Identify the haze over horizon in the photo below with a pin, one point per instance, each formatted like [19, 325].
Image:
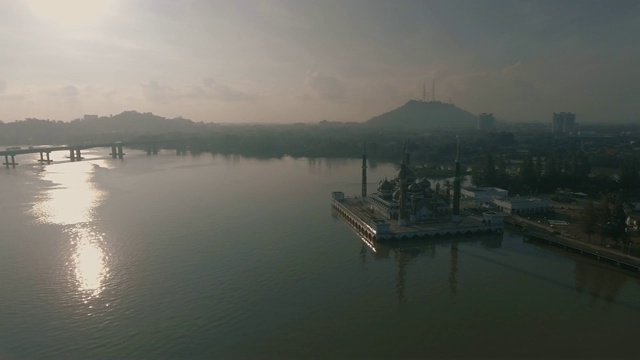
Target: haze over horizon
[304, 61]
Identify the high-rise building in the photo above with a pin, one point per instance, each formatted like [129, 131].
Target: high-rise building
[486, 121]
[569, 123]
[563, 123]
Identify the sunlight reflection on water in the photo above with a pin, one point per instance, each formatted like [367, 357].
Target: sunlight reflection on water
[89, 261]
[71, 201]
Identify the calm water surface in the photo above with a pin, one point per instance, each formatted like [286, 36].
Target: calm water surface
[212, 256]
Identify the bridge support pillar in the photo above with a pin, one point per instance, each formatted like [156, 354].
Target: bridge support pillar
[120, 152]
[152, 149]
[78, 155]
[42, 160]
[72, 155]
[6, 161]
[113, 154]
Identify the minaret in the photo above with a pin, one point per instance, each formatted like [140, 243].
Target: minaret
[402, 217]
[364, 171]
[406, 159]
[433, 90]
[456, 189]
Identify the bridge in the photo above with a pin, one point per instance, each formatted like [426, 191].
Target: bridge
[75, 151]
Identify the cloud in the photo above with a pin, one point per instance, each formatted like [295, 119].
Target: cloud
[510, 90]
[158, 93]
[326, 87]
[91, 91]
[69, 91]
[209, 90]
[224, 92]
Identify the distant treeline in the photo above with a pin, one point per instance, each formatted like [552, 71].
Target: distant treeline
[324, 139]
[123, 126]
[523, 162]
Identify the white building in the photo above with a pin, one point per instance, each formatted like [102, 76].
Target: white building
[521, 205]
[337, 195]
[484, 194]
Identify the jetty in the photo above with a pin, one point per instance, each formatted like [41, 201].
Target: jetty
[359, 215]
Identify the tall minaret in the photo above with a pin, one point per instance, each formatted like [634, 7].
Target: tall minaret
[433, 90]
[364, 171]
[402, 216]
[456, 189]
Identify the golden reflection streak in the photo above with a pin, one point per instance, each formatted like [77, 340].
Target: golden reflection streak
[89, 262]
[71, 202]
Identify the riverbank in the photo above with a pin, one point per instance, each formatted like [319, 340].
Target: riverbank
[537, 229]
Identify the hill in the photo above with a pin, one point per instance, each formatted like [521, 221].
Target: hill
[419, 114]
[124, 126]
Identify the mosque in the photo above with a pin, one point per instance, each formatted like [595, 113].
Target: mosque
[409, 199]
[407, 207]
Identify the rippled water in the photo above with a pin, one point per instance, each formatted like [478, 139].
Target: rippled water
[211, 256]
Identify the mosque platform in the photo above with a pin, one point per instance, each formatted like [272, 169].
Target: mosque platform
[368, 224]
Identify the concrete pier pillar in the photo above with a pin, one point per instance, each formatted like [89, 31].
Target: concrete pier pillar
[72, 155]
[120, 152]
[152, 150]
[48, 159]
[6, 160]
[13, 161]
[78, 155]
[41, 156]
[114, 154]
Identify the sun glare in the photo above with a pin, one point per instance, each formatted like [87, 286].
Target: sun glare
[89, 261]
[70, 12]
[70, 201]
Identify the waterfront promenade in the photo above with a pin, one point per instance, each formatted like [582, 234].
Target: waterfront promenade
[534, 231]
[357, 214]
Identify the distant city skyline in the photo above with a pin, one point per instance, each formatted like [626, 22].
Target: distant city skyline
[305, 61]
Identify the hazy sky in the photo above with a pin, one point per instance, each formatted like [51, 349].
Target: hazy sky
[343, 60]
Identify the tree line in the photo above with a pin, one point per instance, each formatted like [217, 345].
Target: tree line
[545, 173]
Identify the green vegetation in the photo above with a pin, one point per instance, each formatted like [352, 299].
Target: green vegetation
[554, 170]
[523, 163]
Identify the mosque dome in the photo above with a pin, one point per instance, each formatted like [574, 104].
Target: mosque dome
[426, 184]
[415, 188]
[406, 172]
[385, 185]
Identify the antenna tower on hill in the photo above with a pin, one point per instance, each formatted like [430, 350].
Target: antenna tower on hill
[433, 90]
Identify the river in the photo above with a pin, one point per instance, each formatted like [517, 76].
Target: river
[214, 256]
